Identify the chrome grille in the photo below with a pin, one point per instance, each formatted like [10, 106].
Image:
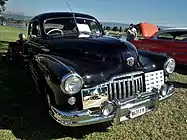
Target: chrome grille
[125, 86]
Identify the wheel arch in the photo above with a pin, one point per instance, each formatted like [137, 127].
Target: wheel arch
[52, 70]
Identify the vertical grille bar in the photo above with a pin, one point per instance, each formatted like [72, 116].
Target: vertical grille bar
[141, 84]
[128, 88]
[115, 90]
[133, 85]
[119, 86]
[136, 85]
[110, 91]
[124, 90]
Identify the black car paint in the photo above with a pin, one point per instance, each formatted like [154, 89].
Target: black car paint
[95, 58]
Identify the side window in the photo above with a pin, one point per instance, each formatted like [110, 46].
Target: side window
[38, 30]
[30, 28]
[165, 36]
[182, 37]
[34, 29]
[94, 27]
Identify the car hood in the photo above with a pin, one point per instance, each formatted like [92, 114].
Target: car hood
[96, 58]
[92, 43]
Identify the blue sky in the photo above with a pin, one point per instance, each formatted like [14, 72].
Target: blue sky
[163, 12]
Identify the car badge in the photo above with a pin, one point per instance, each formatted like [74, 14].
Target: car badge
[130, 61]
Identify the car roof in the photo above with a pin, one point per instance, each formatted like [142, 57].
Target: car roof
[48, 15]
[171, 30]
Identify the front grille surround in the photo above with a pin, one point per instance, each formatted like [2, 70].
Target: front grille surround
[124, 86]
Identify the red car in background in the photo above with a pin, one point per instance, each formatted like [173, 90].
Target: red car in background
[146, 29]
[170, 41]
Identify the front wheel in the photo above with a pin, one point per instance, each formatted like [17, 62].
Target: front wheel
[49, 98]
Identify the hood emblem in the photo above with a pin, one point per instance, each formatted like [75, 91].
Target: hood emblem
[130, 61]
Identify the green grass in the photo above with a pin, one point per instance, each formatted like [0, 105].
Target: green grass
[8, 34]
[22, 115]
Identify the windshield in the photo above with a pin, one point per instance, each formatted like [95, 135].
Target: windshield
[63, 26]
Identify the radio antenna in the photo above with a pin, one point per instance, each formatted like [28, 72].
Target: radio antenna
[74, 18]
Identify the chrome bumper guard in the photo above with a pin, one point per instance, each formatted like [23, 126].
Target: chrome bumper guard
[121, 112]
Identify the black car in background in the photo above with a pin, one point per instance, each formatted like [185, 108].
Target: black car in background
[88, 77]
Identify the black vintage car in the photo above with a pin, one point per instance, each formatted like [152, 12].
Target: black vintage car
[71, 60]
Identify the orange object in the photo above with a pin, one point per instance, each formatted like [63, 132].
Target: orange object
[147, 29]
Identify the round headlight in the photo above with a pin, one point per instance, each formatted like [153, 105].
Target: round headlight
[169, 65]
[71, 84]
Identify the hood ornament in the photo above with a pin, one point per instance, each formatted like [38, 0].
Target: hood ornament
[130, 61]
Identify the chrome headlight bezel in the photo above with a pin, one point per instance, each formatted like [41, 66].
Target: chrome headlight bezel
[67, 78]
[169, 65]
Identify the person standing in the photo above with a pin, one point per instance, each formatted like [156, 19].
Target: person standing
[131, 33]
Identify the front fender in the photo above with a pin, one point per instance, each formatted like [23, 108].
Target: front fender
[151, 60]
[53, 70]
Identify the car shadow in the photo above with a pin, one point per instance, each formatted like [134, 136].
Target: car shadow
[181, 69]
[22, 109]
[179, 85]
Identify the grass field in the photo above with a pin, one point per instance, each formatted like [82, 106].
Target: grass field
[8, 34]
[22, 115]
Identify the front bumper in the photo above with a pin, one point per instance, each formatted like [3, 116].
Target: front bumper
[149, 100]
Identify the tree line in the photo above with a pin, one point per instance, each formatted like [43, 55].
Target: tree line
[115, 28]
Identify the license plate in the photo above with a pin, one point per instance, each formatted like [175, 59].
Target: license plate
[137, 111]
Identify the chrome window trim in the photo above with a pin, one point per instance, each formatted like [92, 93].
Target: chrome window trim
[91, 19]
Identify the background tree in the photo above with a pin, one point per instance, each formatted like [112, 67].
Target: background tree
[115, 28]
[108, 28]
[2, 5]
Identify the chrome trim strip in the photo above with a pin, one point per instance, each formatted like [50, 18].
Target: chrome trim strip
[126, 75]
[124, 95]
[141, 83]
[133, 85]
[115, 92]
[119, 86]
[110, 90]
[128, 88]
[77, 17]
